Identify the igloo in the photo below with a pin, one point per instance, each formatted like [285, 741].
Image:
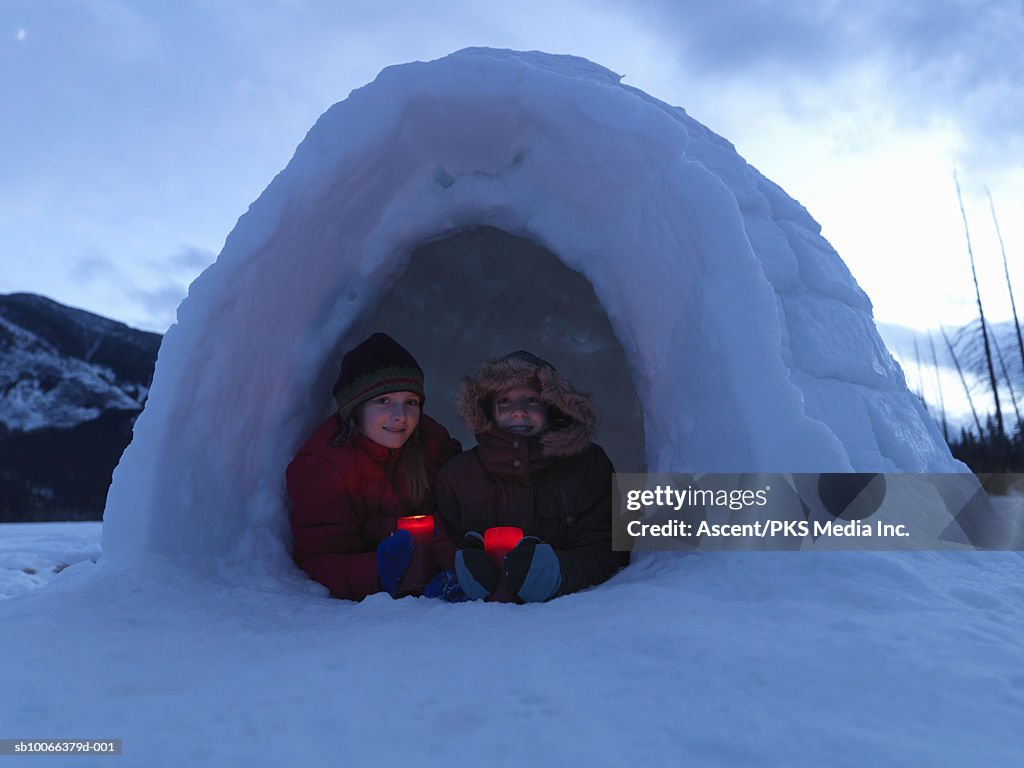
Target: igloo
[719, 330]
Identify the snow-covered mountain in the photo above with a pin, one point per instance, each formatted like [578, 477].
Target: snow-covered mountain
[71, 385]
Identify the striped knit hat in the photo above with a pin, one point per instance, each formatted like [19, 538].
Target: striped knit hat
[377, 366]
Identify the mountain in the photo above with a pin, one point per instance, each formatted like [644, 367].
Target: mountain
[71, 385]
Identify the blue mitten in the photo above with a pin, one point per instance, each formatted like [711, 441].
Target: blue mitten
[393, 557]
[475, 569]
[533, 571]
[445, 585]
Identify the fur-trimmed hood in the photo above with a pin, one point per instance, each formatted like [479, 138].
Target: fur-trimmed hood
[566, 436]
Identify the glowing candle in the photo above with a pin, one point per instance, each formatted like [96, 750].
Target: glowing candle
[498, 541]
[421, 567]
[418, 525]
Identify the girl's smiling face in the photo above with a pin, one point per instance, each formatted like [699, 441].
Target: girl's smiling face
[389, 419]
[520, 411]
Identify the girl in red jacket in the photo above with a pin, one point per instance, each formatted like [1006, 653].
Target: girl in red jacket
[362, 469]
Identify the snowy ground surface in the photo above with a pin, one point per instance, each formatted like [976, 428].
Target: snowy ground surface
[796, 659]
[31, 554]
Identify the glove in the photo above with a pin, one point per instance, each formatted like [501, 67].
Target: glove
[475, 569]
[532, 570]
[393, 557]
[445, 585]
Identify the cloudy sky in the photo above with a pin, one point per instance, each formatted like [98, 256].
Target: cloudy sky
[136, 133]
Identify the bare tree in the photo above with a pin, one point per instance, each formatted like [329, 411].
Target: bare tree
[1006, 375]
[938, 384]
[981, 314]
[1009, 287]
[967, 389]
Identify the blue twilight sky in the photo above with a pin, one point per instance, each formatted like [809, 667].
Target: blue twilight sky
[136, 133]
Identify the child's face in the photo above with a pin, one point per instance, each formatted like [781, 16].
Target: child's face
[390, 419]
[521, 411]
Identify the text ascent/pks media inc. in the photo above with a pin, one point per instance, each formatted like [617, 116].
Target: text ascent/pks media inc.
[764, 529]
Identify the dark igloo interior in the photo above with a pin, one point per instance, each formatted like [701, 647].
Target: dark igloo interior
[479, 293]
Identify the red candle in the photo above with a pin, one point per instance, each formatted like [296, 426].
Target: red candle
[421, 567]
[417, 525]
[497, 543]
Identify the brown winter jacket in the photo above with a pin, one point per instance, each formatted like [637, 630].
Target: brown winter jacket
[345, 502]
[557, 486]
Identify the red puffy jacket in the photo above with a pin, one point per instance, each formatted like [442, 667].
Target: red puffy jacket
[346, 500]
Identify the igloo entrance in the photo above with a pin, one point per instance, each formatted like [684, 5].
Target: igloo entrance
[480, 293]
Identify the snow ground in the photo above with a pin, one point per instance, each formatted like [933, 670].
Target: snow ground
[733, 659]
[31, 554]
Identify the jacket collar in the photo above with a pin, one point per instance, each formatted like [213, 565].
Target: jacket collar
[379, 453]
[510, 455]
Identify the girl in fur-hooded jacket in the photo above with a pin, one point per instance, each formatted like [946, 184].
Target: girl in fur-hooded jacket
[534, 467]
